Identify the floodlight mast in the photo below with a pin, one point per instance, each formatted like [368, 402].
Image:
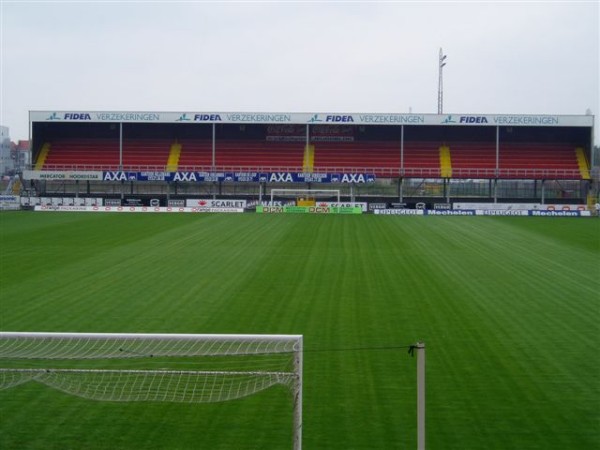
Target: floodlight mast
[441, 63]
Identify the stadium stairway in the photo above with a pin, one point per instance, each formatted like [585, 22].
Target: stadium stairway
[17, 186]
[445, 162]
[42, 157]
[309, 158]
[174, 154]
[584, 167]
[14, 186]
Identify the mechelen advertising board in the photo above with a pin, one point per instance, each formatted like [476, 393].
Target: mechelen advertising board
[481, 212]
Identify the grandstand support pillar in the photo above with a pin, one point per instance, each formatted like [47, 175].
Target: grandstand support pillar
[352, 192]
[401, 149]
[400, 189]
[88, 188]
[495, 190]
[543, 200]
[260, 193]
[307, 135]
[120, 145]
[447, 189]
[497, 150]
[214, 145]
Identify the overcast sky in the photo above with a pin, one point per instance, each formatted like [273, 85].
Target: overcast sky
[503, 57]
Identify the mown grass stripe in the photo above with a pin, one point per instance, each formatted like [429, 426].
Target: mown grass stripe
[508, 308]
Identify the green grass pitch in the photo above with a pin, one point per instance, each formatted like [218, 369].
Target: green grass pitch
[507, 306]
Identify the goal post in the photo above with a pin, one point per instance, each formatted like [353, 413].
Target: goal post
[129, 367]
[306, 193]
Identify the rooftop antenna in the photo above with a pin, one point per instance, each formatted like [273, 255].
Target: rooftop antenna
[442, 63]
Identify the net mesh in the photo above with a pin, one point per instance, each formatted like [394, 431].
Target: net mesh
[157, 368]
[333, 194]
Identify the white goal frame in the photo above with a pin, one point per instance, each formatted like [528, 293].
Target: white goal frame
[18, 346]
[313, 193]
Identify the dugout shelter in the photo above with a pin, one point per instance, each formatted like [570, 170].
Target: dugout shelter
[408, 157]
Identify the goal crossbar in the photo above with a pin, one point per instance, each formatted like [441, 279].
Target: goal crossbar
[313, 193]
[30, 345]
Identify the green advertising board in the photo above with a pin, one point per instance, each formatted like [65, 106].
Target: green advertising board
[309, 209]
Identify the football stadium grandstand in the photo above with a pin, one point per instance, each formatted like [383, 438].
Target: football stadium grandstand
[402, 158]
[499, 299]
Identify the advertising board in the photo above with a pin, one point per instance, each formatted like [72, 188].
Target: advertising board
[308, 210]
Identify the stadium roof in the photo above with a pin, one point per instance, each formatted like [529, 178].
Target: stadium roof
[313, 118]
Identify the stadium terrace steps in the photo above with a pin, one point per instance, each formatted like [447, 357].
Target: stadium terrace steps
[104, 154]
[174, 154]
[309, 158]
[195, 153]
[39, 165]
[584, 167]
[445, 161]
[538, 161]
[421, 159]
[515, 160]
[378, 157]
[152, 153]
[249, 155]
[260, 154]
[68, 154]
[473, 159]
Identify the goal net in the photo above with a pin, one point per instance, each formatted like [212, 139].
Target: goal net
[188, 368]
[301, 195]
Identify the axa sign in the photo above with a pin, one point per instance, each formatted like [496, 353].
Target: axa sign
[185, 176]
[281, 177]
[473, 119]
[115, 176]
[353, 178]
